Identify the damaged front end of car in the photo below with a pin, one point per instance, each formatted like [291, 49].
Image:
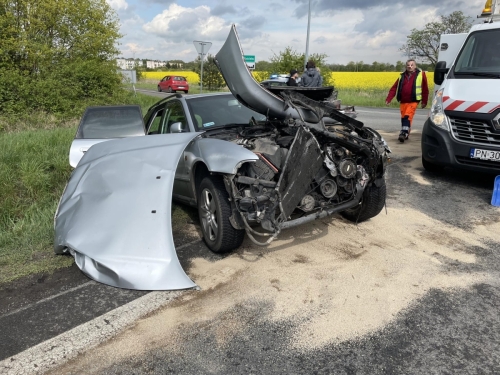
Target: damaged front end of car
[306, 168]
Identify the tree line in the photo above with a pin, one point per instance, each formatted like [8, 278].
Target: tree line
[59, 56]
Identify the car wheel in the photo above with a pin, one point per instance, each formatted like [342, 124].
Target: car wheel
[371, 204]
[159, 88]
[214, 211]
[431, 167]
[169, 89]
[186, 91]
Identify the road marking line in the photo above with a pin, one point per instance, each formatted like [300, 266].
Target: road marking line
[60, 349]
[48, 298]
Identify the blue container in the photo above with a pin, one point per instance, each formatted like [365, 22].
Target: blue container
[495, 199]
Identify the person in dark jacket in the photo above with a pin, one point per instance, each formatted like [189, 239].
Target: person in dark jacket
[311, 77]
[292, 81]
[409, 89]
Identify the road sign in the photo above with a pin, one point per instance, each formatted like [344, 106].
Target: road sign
[249, 58]
[250, 61]
[202, 47]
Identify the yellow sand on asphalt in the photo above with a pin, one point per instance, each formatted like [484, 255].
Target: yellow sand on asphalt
[334, 280]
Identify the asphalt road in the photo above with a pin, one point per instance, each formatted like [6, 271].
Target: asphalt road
[451, 325]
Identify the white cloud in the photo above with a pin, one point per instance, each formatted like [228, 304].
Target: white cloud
[118, 4]
[188, 24]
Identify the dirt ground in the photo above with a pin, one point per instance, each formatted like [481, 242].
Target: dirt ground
[331, 281]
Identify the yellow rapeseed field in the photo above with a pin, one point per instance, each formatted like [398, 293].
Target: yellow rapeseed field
[362, 81]
[191, 77]
[368, 81]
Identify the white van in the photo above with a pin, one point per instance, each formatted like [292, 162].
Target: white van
[463, 128]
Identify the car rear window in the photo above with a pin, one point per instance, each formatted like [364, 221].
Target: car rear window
[111, 122]
[179, 78]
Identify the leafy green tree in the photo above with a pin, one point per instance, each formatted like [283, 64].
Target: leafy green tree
[424, 43]
[212, 79]
[63, 48]
[289, 59]
[263, 66]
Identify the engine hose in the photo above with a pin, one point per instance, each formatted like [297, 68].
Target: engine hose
[252, 238]
[248, 228]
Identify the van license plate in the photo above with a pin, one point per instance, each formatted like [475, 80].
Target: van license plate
[477, 153]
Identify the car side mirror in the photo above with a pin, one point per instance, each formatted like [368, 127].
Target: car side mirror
[439, 72]
[176, 127]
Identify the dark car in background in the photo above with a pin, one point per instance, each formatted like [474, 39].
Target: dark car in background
[173, 84]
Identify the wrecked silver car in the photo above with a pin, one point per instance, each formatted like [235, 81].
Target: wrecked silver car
[251, 161]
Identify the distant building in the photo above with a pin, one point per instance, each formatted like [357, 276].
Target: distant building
[154, 64]
[127, 64]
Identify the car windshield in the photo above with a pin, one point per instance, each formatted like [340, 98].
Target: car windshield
[179, 79]
[220, 110]
[480, 54]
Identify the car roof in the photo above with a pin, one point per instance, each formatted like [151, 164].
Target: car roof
[195, 96]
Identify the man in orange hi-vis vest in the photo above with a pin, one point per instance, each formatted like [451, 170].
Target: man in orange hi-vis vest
[409, 89]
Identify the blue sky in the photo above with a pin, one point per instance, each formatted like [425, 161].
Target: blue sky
[345, 30]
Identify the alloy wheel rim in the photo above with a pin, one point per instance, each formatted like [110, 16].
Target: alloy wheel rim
[209, 214]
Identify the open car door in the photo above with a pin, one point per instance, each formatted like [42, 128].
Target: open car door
[103, 123]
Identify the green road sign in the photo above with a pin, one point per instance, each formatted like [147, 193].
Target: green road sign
[249, 58]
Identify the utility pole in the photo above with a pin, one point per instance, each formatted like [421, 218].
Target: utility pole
[308, 30]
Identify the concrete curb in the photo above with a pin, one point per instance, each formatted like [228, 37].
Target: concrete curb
[60, 349]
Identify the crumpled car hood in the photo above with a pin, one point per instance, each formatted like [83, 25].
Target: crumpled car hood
[244, 87]
[115, 214]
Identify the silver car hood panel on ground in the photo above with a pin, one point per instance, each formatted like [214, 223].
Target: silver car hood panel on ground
[250, 93]
[115, 214]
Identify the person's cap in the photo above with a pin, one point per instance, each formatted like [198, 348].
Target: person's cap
[292, 72]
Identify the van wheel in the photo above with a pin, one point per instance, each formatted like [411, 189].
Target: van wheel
[372, 202]
[431, 167]
[214, 211]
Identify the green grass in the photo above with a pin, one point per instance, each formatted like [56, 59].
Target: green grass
[371, 98]
[34, 169]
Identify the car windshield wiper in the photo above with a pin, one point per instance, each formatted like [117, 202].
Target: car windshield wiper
[478, 74]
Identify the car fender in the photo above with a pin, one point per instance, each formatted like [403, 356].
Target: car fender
[218, 155]
[115, 214]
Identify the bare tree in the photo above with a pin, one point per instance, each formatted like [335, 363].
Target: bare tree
[424, 44]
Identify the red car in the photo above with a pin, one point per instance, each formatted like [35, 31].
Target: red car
[173, 84]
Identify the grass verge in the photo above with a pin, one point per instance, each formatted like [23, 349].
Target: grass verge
[34, 169]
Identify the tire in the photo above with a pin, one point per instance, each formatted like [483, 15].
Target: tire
[186, 91]
[214, 211]
[431, 167]
[159, 88]
[371, 204]
[169, 89]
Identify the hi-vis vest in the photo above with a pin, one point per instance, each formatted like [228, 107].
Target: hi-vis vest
[416, 90]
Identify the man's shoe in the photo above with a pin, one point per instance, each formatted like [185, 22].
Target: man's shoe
[401, 137]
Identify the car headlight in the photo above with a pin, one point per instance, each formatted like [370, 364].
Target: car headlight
[437, 115]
